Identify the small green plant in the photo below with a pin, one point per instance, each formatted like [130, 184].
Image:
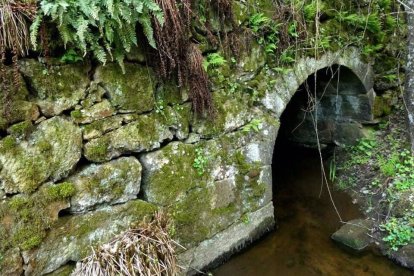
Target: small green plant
[370, 22]
[252, 125]
[309, 11]
[213, 60]
[287, 57]
[200, 162]
[266, 31]
[71, 56]
[389, 167]
[292, 30]
[332, 170]
[245, 219]
[160, 106]
[258, 22]
[400, 232]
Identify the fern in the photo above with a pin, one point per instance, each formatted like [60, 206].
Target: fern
[104, 28]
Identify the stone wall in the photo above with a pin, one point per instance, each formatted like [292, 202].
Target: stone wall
[87, 151]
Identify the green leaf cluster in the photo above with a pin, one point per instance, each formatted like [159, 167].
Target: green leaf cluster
[400, 232]
[267, 31]
[105, 28]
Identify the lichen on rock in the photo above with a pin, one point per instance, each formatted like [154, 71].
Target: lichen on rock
[18, 107]
[25, 219]
[145, 133]
[110, 183]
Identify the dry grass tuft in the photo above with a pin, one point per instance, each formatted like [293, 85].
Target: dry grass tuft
[15, 17]
[147, 250]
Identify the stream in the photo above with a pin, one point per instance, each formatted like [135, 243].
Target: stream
[301, 243]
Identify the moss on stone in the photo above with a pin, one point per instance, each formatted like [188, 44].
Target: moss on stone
[49, 152]
[97, 150]
[8, 144]
[174, 177]
[232, 112]
[77, 234]
[132, 91]
[57, 88]
[20, 130]
[60, 191]
[76, 114]
[30, 216]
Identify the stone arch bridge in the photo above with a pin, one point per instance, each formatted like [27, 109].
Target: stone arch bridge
[95, 151]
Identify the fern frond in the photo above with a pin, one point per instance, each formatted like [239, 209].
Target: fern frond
[114, 20]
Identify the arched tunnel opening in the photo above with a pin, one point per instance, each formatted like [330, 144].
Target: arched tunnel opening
[305, 216]
[301, 244]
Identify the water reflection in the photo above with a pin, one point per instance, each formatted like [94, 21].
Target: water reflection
[301, 245]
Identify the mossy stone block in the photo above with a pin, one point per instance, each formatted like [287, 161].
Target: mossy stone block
[132, 91]
[56, 88]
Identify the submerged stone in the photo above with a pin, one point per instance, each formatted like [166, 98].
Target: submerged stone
[49, 153]
[57, 88]
[354, 234]
[110, 183]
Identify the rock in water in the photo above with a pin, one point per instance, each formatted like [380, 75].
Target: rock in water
[354, 234]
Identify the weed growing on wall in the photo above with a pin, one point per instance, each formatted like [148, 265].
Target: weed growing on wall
[200, 162]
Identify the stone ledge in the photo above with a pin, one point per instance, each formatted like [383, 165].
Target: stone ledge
[214, 251]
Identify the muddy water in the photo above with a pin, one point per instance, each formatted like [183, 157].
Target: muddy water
[301, 244]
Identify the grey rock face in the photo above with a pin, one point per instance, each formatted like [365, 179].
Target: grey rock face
[111, 183]
[12, 264]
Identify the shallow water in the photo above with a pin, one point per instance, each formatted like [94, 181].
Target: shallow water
[301, 244]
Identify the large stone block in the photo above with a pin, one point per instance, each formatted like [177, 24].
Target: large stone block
[16, 106]
[110, 183]
[146, 133]
[49, 153]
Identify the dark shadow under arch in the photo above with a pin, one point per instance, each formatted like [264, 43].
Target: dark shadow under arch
[334, 97]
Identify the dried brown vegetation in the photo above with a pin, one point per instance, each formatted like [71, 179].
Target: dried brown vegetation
[177, 57]
[15, 17]
[147, 251]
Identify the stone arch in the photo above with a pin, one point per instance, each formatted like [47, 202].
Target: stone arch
[341, 107]
[260, 150]
[286, 85]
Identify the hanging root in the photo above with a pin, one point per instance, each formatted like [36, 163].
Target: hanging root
[147, 251]
[198, 82]
[177, 58]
